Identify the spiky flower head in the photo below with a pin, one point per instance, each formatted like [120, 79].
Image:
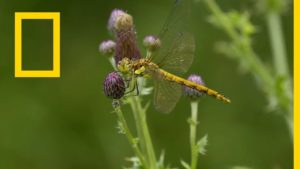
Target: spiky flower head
[114, 85]
[113, 17]
[120, 20]
[121, 24]
[107, 47]
[192, 93]
[152, 43]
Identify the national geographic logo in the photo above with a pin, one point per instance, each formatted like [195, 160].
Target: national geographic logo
[55, 17]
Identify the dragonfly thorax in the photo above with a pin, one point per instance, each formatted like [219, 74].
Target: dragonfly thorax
[144, 67]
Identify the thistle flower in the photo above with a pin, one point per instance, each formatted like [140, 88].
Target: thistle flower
[114, 85]
[152, 43]
[107, 47]
[192, 93]
[121, 24]
[112, 19]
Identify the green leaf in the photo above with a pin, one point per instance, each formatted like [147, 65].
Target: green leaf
[214, 21]
[136, 164]
[192, 122]
[121, 128]
[240, 167]
[161, 160]
[201, 145]
[136, 141]
[185, 165]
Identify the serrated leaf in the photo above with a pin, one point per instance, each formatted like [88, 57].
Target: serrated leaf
[135, 141]
[120, 127]
[136, 164]
[142, 85]
[241, 167]
[214, 21]
[161, 160]
[133, 159]
[146, 91]
[185, 165]
[162, 157]
[272, 103]
[201, 144]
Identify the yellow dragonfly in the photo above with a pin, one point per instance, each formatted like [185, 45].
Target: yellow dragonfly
[175, 55]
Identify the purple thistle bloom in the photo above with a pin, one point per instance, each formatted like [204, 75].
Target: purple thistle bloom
[107, 47]
[192, 93]
[114, 86]
[121, 24]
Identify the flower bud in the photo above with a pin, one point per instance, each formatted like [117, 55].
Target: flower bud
[193, 94]
[107, 47]
[121, 24]
[119, 20]
[124, 22]
[112, 19]
[114, 86]
[152, 43]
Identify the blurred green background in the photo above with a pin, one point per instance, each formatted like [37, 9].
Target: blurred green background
[66, 123]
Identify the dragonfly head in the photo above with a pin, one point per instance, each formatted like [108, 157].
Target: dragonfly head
[143, 69]
[125, 66]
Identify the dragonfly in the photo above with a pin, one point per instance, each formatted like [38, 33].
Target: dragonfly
[174, 57]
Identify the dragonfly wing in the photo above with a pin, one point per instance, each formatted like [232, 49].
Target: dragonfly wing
[181, 54]
[166, 95]
[178, 47]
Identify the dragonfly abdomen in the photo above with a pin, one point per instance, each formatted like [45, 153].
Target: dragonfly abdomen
[171, 77]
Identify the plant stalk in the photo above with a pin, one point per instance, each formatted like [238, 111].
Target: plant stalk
[254, 62]
[280, 62]
[193, 134]
[277, 43]
[143, 131]
[131, 139]
[258, 69]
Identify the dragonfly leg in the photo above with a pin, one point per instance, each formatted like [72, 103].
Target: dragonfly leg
[131, 82]
[127, 81]
[137, 88]
[131, 90]
[134, 88]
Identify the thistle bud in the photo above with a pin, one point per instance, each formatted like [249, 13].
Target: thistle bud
[107, 47]
[193, 94]
[121, 24]
[152, 43]
[112, 19]
[120, 20]
[114, 86]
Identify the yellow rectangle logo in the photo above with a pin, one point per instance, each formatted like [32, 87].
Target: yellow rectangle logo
[55, 17]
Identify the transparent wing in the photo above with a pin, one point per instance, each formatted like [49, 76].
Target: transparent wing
[178, 47]
[180, 56]
[166, 95]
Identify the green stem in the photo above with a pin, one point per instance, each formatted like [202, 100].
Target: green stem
[258, 69]
[277, 43]
[131, 139]
[143, 131]
[112, 62]
[280, 62]
[249, 55]
[193, 134]
[290, 125]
